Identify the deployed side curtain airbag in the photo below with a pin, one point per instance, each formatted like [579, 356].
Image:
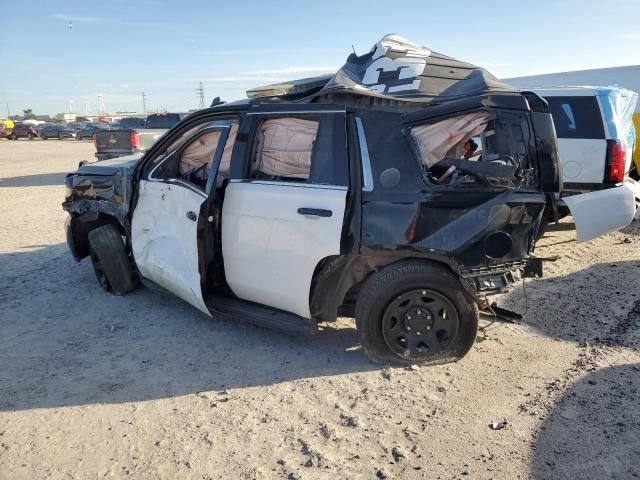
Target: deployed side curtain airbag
[288, 144]
[199, 153]
[447, 137]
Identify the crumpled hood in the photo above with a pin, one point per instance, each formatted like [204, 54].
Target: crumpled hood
[110, 167]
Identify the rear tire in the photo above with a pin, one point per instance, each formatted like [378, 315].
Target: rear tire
[60, 136]
[30, 136]
[110, 261]
[13, 137]
[418, 296]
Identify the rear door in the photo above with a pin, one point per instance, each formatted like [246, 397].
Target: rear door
[581, 140]
[285, 213]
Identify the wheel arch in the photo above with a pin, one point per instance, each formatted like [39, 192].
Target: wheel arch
[79, 227]
[337, 281]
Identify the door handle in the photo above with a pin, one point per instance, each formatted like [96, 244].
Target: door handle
[318, 212]
[192, 216]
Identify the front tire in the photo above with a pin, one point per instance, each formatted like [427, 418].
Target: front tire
[110, 261]
[13, 137]
[415, 313]
[60, 136]
[30, 136]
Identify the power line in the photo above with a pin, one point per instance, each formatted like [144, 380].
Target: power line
[200, 95]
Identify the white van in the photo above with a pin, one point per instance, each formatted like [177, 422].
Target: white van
[595, 133]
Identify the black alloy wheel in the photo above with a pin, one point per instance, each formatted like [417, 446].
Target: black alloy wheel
[419, 323]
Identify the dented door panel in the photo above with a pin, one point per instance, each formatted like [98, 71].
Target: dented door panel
[467, 233]
[164, 238]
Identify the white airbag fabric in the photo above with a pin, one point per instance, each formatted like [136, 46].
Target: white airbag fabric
[287, 147]
[200, 152]
[437, 139]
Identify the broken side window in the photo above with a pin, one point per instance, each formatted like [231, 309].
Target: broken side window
[479, 147]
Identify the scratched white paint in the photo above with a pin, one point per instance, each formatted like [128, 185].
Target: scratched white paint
[270, 251]
[164, 240]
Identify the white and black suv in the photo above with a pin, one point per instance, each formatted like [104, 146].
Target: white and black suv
[326, 200]
[595, 133]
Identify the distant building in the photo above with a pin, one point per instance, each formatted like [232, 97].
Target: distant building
[627, 77]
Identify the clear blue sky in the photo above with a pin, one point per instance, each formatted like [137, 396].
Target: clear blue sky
[119, 48]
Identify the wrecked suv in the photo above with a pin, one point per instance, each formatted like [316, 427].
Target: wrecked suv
[359, 195]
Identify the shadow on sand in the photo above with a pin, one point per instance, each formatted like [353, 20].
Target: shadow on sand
[64, 341]
[36, 180]
[594, 431]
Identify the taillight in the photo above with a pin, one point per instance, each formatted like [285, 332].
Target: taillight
[614, 172]
[95, 142]
[135, 139]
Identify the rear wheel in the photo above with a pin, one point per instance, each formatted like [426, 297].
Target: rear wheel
[13, 137]
[110, 261]
[60, 136]
[415, 313]
[30, 136]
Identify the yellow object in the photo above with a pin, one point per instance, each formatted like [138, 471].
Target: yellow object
[8, 124]
[636, 151]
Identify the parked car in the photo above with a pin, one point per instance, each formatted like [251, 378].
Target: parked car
[57, 131]
[118, 142]
[89, 129]
[356, 199]
[5, 132]
[22, 130]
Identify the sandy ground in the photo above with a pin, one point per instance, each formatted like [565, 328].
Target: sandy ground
[143, 386]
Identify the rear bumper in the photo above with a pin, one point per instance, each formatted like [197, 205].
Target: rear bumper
[604, 211]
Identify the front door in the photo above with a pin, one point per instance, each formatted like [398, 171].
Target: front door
[287, 214]
[167, 219]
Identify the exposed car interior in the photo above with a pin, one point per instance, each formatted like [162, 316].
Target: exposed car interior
[189, 157]
[478, 147]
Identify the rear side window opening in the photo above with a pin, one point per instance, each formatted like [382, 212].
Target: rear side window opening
[474, 148]
[576, 117]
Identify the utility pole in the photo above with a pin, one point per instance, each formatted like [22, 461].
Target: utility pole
[144, 103]
[100, 105]
[8, 112]
[200, 95]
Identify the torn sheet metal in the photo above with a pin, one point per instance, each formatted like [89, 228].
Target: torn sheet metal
[402, 70]
[395, 69]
